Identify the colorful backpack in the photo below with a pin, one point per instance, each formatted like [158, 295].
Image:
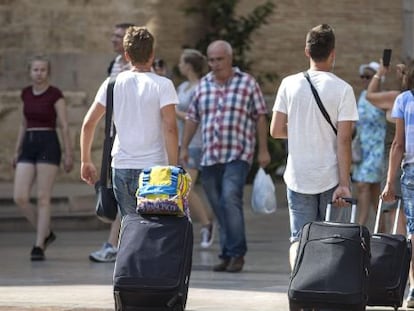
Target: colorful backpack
[163, 190]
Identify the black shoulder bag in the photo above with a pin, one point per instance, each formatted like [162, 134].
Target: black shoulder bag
[106, 204]
[319, 102]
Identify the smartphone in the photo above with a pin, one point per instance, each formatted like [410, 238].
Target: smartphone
[386, 57]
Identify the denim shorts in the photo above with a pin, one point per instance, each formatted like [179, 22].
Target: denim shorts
[40, 147]
[407, 191]
[125, 184]
[304, 208]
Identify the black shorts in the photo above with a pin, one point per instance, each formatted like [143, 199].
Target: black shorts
[40, 147]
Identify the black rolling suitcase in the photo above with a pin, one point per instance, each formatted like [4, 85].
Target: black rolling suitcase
[332, 266]
[153, 265]
[390, 264]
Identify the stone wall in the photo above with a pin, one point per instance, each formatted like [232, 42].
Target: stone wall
[363, 29]
[10, 119]
[76, 35]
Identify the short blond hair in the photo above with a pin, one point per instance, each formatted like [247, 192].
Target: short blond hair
[40, 58]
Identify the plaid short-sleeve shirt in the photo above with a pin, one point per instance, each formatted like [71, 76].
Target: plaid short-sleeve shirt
[227, 115]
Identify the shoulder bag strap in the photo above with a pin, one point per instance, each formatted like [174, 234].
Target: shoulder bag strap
[109, 134]
[319, 102]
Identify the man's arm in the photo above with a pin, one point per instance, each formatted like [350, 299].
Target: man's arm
[396, 156]
[263, 156]
[92, 117]
[343, 142]
[278, 125]
[169, 126]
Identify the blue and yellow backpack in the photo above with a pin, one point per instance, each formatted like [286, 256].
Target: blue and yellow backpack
[163, 190]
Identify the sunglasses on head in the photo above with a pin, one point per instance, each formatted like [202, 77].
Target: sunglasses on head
[367, 77]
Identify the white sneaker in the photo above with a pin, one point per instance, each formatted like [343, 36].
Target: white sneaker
[410, 298]
[106, 254]
[207, 236]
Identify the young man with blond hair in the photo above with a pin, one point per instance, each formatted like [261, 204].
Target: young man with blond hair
[144, 117]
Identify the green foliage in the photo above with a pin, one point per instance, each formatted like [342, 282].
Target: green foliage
[221, 22]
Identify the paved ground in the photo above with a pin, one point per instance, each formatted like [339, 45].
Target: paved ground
[68, 281]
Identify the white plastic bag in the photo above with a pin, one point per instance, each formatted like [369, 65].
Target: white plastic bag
[263, 193]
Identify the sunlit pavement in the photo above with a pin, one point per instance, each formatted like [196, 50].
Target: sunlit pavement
[67, 280]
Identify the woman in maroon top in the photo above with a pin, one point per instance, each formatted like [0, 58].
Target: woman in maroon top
[38, 154]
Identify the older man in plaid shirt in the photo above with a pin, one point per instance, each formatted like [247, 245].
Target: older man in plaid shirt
[229, 106]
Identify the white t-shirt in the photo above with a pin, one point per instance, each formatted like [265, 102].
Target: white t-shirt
[312, 165]
[138, 99]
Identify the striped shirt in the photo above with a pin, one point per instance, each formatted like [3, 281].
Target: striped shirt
[119, 66]
[227, 114]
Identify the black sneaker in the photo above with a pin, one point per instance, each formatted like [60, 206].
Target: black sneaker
[37, 254]
[49, 239]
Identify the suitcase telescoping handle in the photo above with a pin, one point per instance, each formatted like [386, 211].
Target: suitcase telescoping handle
[379, 212]
[351, 201]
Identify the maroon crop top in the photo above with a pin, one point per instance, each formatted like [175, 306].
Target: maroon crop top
[39, 110]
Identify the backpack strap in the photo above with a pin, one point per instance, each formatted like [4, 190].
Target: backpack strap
[319, 102]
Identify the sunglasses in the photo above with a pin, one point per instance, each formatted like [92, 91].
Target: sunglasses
[367, 77]
[158, 63]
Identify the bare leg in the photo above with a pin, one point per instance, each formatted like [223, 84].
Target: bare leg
[411, 275]
[197, 206]
[46, 175]
[363, 202]
[402, 224]
[23, 183]
[293, 251]
[107, 253]
[114, 231]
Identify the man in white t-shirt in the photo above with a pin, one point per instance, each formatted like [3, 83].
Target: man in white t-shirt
[109, 250]
[319, 160]
[119, 63]
[144, 117]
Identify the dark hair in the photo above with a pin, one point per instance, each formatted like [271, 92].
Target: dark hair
[320, 41]
[124, 25]
[158, 62]
[408, 78]
[139, 44]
